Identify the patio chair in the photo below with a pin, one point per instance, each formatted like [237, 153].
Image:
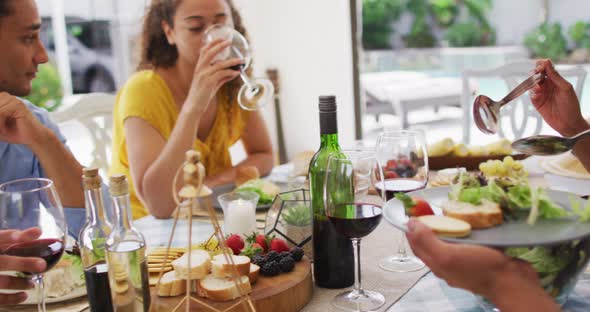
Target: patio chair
[399, 92]
[94, 112]
[519, 118]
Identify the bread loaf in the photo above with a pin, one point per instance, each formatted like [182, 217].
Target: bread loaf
[222, 289]
[485, 215]
[446, 226]
[197, 269]
[221, 268]
[171, 285]
[253, 274]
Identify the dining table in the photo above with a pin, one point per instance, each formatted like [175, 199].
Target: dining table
[412, 291]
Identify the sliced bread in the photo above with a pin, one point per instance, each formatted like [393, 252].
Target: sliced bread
[171, 285]
[222, 289]
[221, 268]
[485, 215]
[253, 274]
[198, 268]
[446, 226]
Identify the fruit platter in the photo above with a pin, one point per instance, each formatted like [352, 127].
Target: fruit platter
[277, 277]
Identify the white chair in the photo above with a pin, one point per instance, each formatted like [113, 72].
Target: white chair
[399, 92]
[518, 118]
[93, 111]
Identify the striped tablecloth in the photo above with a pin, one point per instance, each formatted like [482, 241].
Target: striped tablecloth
[433, 294]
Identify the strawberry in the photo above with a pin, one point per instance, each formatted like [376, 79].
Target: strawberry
[251, 250]
[278, 245]
[392, 163]
[390, 174]
[414, 206]
[261, 239]
[235, 242]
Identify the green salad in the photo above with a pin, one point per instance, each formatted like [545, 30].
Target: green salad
[517, 199]
[557, 266]
[265, 189]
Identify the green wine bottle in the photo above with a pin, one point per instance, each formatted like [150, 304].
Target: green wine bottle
[333, 255]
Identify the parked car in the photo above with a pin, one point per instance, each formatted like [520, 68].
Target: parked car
[90, 50]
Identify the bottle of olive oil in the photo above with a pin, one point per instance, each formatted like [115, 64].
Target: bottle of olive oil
[333, 264]
[128, 275]
[92, 240]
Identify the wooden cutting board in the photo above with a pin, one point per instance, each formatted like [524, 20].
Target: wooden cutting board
[286, 292]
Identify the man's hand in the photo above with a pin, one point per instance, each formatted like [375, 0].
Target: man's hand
[555, 99]
[20, 264]
[17, 124]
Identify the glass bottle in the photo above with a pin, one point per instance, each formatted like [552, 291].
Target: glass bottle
[333, 264]
[92, 239]
[128, 275]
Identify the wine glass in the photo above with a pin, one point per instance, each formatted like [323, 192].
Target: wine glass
[254, 93]
[404, 157]
[353, 205]
[34, 203]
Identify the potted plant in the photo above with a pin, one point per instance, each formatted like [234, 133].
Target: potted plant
[296, 217]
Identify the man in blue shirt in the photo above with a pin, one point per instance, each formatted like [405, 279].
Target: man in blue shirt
[30, 145]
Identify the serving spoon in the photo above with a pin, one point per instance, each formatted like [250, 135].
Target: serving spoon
[486, 112]
[544, 145]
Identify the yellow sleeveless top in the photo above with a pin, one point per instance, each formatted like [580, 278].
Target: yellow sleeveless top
[146, 95]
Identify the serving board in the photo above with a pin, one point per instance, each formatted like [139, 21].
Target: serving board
[287, 292]
[467, 162]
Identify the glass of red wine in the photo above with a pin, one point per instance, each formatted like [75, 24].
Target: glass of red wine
[255, 92]
[34, 203]
[404, 158]
[354, 207]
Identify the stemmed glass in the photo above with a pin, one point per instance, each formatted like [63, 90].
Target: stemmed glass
[34, 203]
[404, 157]
[353, 205]
[254, 93]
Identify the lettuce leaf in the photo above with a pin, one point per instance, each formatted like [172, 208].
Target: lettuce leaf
[519, 197]
[547, 208]
[543, 260]
[77, 268]
[265, 189]
[583, 214]
[264, 199]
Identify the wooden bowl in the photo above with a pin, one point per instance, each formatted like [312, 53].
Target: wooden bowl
[468, 162]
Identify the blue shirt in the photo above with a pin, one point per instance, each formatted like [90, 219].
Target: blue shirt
[17, 161]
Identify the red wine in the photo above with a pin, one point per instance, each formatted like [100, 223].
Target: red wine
[239, 67]
[356, 220]
[393, 186]
[97, 286]
[50, 249]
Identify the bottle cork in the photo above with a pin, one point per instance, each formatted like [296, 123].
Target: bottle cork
[118, 185]
[91, 179]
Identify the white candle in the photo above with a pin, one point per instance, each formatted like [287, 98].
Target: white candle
[240, 217]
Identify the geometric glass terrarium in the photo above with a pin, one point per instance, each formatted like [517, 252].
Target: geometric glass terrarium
[290, 218]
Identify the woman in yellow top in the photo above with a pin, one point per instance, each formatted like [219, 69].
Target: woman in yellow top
[182, 99]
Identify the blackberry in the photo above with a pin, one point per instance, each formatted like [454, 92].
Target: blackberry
[287, 264]
[270, 268]
[297, 254]
[272, 256]
[284, 254]
[259, 260]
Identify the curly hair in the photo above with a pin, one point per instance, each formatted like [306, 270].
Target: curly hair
[5, 8]
[155, 49]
